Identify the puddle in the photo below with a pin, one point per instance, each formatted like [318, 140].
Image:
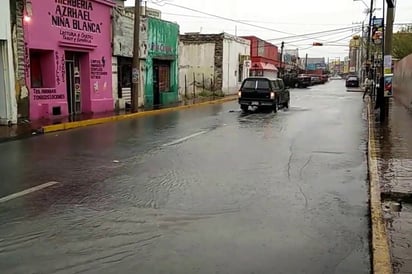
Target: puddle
[399, 225]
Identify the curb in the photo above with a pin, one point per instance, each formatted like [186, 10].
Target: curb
[381, 259]
[90, 122]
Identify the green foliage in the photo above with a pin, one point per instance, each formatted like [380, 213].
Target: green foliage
[402, 43]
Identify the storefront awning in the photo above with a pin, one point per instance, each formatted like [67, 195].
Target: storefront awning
[263, 66]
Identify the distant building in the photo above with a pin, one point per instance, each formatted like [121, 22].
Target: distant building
[291, 60]
[315, 65]
[212, 62]
[355, 55]
[264, 56]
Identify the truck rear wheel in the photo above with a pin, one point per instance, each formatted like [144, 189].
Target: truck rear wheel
[275, 107]
[244, 108]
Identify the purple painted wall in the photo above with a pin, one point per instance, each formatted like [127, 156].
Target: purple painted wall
[59, 26]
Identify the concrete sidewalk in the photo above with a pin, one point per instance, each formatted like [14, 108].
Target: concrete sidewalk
[394, 145]
[27, 129]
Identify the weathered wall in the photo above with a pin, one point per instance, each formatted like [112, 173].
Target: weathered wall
[402, 81]
[18, 58]
[122, 32]
[123, 26]
[8, 105]
[216, 56]
[115, 83]
[196, 61]
[196, 40]
[232, 48]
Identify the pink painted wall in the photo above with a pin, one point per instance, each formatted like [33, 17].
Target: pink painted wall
[82, 26]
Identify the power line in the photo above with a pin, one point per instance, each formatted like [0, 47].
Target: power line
[253, 25]
[291, 43]
[319, 36]
[253, 21]
[227, 19]
[312, 33]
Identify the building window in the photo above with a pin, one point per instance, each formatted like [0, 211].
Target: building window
[42, 69]
[124, 70]
[126, 76]
[35, 70]
[164, 78]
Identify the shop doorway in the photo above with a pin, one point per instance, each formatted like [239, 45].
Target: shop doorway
[73, 82]
[156, 87]
[161, 80]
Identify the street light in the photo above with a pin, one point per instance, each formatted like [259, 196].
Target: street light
[368, 9]
[28, 12]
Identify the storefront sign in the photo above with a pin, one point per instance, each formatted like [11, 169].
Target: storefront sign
[74, 16]
[46, 94]
[161, 48]
[387, 63]
[377, 30]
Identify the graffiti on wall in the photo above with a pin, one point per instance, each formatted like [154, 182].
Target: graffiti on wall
[46, 94]
[97, 68]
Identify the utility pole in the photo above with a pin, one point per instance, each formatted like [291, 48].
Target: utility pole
[387, 50]
[281, 58]
[136, 57]
[306, 63]
[368, 44]
[390, 14]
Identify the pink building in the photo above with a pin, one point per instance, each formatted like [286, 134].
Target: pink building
[68, 57]
[264, 56]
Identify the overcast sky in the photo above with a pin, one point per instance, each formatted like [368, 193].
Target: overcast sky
[279, 19]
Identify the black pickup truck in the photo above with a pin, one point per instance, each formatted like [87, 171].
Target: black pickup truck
[263, 92]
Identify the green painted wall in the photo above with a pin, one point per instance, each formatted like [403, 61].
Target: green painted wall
[163, 40]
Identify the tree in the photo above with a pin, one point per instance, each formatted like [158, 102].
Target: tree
[402, 43]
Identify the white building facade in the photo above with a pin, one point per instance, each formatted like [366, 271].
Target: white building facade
[8, 104]
[234, 70]
[212, 63]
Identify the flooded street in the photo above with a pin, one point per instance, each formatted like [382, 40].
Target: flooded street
[204, 190]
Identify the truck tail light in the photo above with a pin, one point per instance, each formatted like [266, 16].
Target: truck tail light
[272, 95]
[239, 93]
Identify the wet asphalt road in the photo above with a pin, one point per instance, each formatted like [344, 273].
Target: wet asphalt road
[205, 190]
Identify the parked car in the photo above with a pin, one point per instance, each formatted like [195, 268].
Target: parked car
[263, 92]
[303, 81]
[316, 80]
[324, 78]
[290, 80]
[352, 81]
